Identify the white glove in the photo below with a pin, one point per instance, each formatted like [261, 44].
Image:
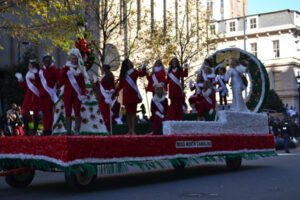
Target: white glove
[185, 65]
[19, 77]
[160, 115]
[191, 84]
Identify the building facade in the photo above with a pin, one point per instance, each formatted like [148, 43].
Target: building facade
[274, 38]
[225, 9]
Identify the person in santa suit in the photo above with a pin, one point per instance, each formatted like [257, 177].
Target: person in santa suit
[222, 81]
[49, 76]
[174, 74]
[159, 108]
[208, 102]
[31, 99]
[158, 75]
[106, 87]
[197, 87]
[208, 72]
[73, 76]
[131, 93]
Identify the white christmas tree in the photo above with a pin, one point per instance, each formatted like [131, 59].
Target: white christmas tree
[92, 122]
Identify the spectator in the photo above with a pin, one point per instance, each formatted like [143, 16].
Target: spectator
[2, 133]
[4, 125]
[12, 109]
[286, 133]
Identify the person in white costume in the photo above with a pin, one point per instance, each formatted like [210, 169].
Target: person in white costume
[235, 72]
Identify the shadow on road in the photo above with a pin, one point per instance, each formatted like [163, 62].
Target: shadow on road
[134, 180]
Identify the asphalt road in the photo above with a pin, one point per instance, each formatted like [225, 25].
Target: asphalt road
[263, 179]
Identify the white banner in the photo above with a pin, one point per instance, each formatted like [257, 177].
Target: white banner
[74, 84]
[50, 91]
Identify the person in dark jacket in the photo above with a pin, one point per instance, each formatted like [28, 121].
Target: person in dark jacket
[286, 133]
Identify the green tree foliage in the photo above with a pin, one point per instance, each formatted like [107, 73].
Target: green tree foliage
[274, 103]
[42, 22]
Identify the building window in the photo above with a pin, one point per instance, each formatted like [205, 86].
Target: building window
[277, 80]
[231, 26]
[238, 5]
[222, 3]
[276, 49]
[222, 16]
[212, 29]
[209, 5]
[254, 49]
[253, 23]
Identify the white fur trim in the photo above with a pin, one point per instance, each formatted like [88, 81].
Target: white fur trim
[126, 159]
[232, 122]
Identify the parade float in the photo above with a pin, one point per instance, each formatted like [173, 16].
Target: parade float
[233, 136]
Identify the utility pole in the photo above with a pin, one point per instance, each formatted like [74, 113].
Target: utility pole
[244, 25]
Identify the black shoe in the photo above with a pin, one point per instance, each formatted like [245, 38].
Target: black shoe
[287, 152]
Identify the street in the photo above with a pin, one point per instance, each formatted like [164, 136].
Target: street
[263, 179]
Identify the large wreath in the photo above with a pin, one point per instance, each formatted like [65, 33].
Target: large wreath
[257, 75]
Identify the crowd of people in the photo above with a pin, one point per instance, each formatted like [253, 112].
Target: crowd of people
[12, 122]
[286, 129]
[41, 85]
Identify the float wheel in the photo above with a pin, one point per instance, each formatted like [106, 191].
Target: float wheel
[21, 179]
[81, 178]
[233, 163]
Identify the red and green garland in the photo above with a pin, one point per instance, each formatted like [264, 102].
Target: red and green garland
[259, 80]
[87, 52]
[68, 152]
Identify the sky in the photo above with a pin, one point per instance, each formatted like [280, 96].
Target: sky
[262, 6]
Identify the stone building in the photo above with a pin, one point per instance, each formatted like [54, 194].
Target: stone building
[274, 37]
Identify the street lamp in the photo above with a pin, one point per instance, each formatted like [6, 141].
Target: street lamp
[298, 81]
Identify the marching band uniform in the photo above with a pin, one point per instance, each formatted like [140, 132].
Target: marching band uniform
[48, 77]
[106, 89]
[222, 81]
[131, 94]
[31, 99]
[176, 92]
[159, 110]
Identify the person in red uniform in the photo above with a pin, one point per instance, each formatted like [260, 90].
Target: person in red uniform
[208, 102]
[158, 75]
[208, 72]
[31, 99]
[159, 108]
[72, 76]
[48, 75]
[197, 87]
[131, 94]
[106, 87]
[175, 73]
[222, 81]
